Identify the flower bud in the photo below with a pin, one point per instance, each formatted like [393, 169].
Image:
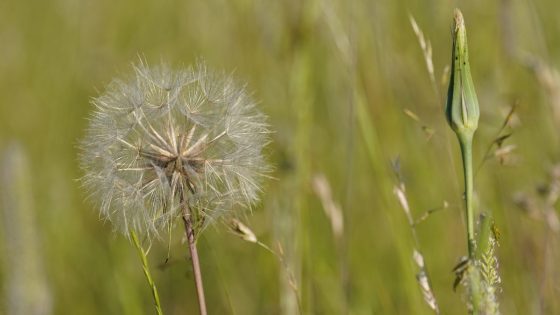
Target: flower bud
[461, 110]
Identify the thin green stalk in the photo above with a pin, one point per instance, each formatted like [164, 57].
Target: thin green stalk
[465, 142]
[145, 267]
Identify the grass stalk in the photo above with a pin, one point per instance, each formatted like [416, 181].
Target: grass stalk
[143, 257]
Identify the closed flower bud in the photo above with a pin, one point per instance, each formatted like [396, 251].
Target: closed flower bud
[462, 105]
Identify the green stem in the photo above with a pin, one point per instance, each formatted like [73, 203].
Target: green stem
[145, 267]
[465, 140]
[466, 152]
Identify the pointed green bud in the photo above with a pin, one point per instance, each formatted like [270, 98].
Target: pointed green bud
[462, 105]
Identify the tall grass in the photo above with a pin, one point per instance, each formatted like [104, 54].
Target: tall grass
[337, 113]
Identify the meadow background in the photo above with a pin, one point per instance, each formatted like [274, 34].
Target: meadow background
[349, 96]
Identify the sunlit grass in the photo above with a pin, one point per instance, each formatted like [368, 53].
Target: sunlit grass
[335, 77]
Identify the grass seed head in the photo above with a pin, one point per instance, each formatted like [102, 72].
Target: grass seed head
[243, 231]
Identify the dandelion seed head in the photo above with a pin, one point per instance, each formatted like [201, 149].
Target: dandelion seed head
[164, 139]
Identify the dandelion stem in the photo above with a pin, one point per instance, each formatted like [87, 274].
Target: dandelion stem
[466, 151]
[146, 268]
[194, 259]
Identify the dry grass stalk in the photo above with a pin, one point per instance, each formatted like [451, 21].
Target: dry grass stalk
[332, 210]
[424, 282]
[539, 205]
[542, 206]
[422, 273]
[549, 79]
[429, 132]
[426, 47]
[26, 288]
[245, 233]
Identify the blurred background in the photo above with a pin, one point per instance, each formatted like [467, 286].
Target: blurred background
[357, 112]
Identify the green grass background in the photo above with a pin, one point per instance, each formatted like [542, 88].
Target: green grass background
[335, 78]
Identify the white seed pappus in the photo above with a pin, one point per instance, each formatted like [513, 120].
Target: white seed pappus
[166, 139]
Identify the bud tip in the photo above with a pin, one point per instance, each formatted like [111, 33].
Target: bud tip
[459, 23]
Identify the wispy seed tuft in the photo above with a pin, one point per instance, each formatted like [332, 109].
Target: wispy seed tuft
[165, 139]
